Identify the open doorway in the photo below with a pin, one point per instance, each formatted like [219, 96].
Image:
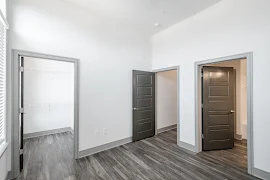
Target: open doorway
[156, 103]
[48, 103]
[167, 86]
[223, 103]
[240, 95]
[46, 95]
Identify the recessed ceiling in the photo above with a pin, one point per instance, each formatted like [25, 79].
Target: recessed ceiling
[151, 16]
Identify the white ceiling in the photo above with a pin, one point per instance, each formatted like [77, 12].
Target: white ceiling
[144, 14]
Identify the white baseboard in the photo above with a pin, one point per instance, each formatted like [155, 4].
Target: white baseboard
[187, 146]
[104, 147]
[44, 133]
[238, 137]
[167, 128]
[8, 175]
[261, 174]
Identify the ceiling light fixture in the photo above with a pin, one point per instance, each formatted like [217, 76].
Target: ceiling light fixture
[157, 25]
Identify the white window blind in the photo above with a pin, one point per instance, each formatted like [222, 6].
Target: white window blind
[3, 27]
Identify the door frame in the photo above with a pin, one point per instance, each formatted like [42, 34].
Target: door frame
[198, 112]
[15, 170]
[177, 68]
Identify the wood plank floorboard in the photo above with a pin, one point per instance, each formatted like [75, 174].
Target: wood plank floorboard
[156, 158]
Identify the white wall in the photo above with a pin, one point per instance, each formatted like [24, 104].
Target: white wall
[48, 95]
[107, 51]
[166, 98]
[227, 28]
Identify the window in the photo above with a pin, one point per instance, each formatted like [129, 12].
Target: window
[3, 27]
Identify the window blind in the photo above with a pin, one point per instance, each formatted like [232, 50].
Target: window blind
[2, 80]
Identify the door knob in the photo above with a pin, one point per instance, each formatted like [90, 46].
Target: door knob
[232, 111]
[135, 109]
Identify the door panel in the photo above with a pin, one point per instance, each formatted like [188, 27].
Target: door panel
[218, 120]
[143, 105]
[144, 115]
[218, 108]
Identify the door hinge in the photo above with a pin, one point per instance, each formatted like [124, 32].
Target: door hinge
[202, 105]
[21, 69]
[21, 110]
[21, 151]
[202, 136]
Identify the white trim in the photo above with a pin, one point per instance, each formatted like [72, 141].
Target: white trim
[197, 67]
[164, 129]
[238, 137]
[186, 146]
[261, 174]
[48, 132]
[3, 148]
[8, 175]
[4, 20]
[94, 150]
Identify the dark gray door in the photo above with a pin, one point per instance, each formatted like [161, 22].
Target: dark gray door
[21, 114]
[143, 105]
[218, 108]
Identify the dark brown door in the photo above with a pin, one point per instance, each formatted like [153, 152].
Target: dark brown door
[218, 108]
[143, 105]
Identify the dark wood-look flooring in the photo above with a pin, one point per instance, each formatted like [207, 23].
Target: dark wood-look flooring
[50, 158]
